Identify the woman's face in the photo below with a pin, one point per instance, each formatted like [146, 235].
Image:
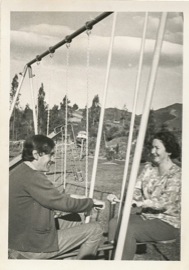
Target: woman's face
[158, 151]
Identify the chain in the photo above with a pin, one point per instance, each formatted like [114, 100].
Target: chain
[49, 94]
[88, 32]
[66, 110]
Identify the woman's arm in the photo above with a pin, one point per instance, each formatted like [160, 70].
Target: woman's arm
[138, 194]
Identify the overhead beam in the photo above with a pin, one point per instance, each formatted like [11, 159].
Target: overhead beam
[88, 25]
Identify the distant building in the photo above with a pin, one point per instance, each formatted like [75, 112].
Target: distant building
[76, 117]
[116, 122]
[82, 135]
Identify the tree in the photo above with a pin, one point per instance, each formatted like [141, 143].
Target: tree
[110, 134]
[15, 118]
[27, 122]
[83, 120]
[42, 111]
[14, 86]
[124, 114]
[75, 107]
[165, 126]
[63, 105]
[55, 120]
[116, 114]
[94, 111]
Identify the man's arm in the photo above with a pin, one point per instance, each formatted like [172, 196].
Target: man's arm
[44, 192]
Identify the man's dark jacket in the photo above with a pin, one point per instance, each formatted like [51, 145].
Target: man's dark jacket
[32, 199]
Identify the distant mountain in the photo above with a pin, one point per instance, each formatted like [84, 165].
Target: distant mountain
[117, 131]
[113, 114]
[171, 116]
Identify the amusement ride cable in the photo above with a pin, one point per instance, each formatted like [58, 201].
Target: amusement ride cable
[88, 32]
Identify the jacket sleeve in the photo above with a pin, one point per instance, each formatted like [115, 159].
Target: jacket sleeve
[44, 192]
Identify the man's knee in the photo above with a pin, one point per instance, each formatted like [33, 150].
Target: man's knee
[98, 228]
[95, 228]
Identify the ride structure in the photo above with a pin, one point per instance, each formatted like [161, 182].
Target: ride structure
[124, 208]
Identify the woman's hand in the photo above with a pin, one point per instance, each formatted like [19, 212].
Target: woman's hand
[137, 203]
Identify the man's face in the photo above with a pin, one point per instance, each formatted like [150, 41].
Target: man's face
[45, 161]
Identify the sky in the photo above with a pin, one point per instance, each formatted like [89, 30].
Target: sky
[83, 75]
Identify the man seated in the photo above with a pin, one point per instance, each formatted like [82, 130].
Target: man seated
[32, 202]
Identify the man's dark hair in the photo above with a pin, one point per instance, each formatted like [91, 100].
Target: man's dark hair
[170, 142]
[40, 143]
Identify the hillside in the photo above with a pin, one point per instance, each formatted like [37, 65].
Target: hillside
[117, 122]
[117, 131]
[171, 116]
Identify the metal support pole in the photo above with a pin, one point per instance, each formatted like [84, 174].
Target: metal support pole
[66, 114]
[81, 151]
[65, 144]
[18, 90]
[140, 140]
[87, 117]
[97, 149]
[48, 119]
[133, 113]
[74, 139]
[33, 100]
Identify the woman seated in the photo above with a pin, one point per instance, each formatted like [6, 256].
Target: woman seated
[155, 213]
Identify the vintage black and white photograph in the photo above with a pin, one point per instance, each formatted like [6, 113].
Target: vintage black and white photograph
[95, 134]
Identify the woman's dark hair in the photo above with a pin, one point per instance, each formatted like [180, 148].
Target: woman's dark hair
[40, 143]
[170, 142]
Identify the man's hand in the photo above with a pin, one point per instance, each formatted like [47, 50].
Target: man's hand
[77, 196]
[112, 198]
[98, 204]
[58, 214]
